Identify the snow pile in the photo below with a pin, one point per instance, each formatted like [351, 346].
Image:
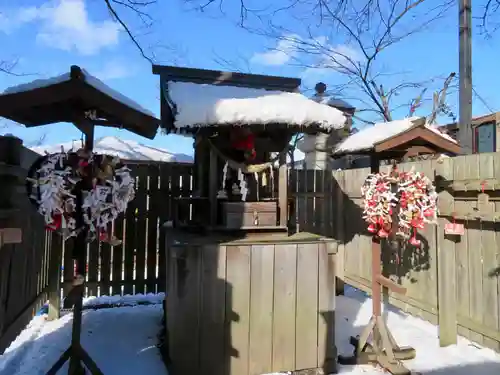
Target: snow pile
[122, 341]
[205, 105]
[128, 299]
[368, 137]
[90, 79]
[124, 149]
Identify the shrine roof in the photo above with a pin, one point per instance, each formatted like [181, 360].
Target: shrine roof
[396, 136]
[68, 97]
[195, 98]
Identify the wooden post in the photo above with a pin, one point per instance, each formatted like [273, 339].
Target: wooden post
[212, 186]
[283, 190]
[56, 247]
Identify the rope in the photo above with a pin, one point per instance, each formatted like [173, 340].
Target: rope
[252, 168]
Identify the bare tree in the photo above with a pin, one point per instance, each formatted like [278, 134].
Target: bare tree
[349, 38]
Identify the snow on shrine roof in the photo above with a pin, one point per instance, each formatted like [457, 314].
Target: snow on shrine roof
[367, 138]
[198, 105]
[89, 79]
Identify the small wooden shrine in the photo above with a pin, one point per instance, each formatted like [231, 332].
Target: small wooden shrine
[79, 98]
[393, 141]
[244, 296]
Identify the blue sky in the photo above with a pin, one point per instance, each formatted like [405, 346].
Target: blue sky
[48, 36]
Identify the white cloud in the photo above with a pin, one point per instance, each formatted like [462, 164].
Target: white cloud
[319, 54]
[335, 60]
[66, 25]
[280, 55]
[114, 70]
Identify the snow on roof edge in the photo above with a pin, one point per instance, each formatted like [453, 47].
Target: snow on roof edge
[219, 105]
[367, 138]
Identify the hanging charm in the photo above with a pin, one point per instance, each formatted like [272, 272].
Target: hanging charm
[416, 199]
[53, 179]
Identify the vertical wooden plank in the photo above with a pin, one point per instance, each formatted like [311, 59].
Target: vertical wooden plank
[488, 254]
[306, 333]
[301, 205]
[186, 347]
[117, 254]
[283, 190]
[212, 187]
[154, 203]
[105, 269]
[337, 208]
[285, 280]
[320, 208]
[238, 293]
[69, 265]
[213, 343]
[92, 267]
[129, 246]
[293, 173]
[261, 309]
[165, 214]
[470, 169]
[446, 266]
[55, 278]
[310, 225]
[327, 351]
[141, 228]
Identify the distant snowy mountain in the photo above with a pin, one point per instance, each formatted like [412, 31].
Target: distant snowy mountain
[123, 148]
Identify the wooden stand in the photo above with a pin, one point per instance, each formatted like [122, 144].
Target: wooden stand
[75, 353]
[383, 350]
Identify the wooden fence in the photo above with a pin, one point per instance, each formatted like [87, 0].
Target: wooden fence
[24, 267]
[450, 281]
[454, 283]
[138, 266]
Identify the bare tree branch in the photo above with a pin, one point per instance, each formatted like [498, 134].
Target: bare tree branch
[138, 7]
[347, 40]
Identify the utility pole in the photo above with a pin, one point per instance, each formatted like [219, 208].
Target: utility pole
[465, 76]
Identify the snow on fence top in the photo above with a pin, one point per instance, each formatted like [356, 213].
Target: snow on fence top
[208, 105]
[367, 138]
[89, 79]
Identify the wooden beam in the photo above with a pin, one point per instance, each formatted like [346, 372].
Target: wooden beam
[215, 77]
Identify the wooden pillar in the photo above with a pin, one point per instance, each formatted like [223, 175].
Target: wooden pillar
[283, 190]
[213, 181]
[10, 161]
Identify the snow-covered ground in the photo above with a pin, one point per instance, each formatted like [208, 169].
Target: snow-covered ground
[122, 340]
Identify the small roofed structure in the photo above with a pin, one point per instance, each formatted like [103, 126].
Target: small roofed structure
[222, 109]
[72, 97]
[406, 137]
[81, 99]
[389, 141]
[233, 235]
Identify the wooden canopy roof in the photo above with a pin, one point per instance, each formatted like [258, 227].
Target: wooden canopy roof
[199, 99]
[417, 139]
[72, 97]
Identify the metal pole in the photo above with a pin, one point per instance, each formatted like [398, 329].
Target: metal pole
[465, 77]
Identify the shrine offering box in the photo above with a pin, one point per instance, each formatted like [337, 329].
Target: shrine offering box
[249, 214]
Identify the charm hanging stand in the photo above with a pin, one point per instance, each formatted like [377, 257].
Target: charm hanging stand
[383, 349]
[75, 353]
